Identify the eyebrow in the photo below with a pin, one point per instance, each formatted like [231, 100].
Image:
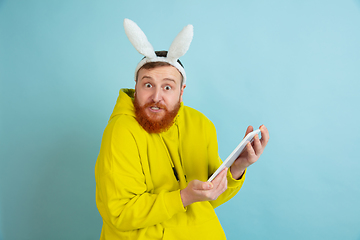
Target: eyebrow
[169, 79]
[146, 77]
[166, 79]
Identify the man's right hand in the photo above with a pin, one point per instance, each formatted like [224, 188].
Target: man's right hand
[198, 191]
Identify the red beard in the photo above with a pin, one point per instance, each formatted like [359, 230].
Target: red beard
[151, 123]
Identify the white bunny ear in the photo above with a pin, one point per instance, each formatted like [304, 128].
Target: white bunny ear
[181, 43]
[138, 39]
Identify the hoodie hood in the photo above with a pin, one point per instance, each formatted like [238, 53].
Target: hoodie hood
[124, 103]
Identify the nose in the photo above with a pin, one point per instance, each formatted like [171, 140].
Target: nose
[157, 95]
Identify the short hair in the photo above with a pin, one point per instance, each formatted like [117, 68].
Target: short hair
[151, 65]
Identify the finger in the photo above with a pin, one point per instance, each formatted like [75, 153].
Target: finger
[264, 135]
[221, 187]
[222, 183]
[219, 178]
[224, 180]
[249, 130]
[257, 146]
[250, 150]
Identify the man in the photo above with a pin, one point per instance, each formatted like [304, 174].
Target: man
[157, 154]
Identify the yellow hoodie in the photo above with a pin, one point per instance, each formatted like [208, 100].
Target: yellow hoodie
[137, 191]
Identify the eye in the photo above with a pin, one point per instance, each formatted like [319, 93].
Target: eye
[148, 85]
[167, 87]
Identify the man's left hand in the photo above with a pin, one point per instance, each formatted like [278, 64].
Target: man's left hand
[252, 152]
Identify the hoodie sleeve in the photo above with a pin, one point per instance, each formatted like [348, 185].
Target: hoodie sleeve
[123, 194]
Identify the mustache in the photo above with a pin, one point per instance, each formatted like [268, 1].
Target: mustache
[154, 104]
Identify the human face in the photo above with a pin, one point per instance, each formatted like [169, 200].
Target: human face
[161, 86]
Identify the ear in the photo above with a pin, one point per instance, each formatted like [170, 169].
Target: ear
[182, 92]
[138, 39]
[181, 43]
[135, 88]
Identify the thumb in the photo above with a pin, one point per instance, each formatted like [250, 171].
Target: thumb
[206, 186]
[199, 185]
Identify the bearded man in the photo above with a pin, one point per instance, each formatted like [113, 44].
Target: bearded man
[156, 156]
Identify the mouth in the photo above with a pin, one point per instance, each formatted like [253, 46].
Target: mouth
[155, 109]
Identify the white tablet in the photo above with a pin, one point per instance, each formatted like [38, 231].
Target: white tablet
[235, 154]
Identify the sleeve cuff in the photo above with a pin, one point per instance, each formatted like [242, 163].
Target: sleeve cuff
[173, 203]
[233, 183]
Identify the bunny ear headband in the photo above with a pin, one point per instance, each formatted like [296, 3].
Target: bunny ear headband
[178, 48]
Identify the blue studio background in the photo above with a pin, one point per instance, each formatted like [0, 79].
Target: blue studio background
[291, 65]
